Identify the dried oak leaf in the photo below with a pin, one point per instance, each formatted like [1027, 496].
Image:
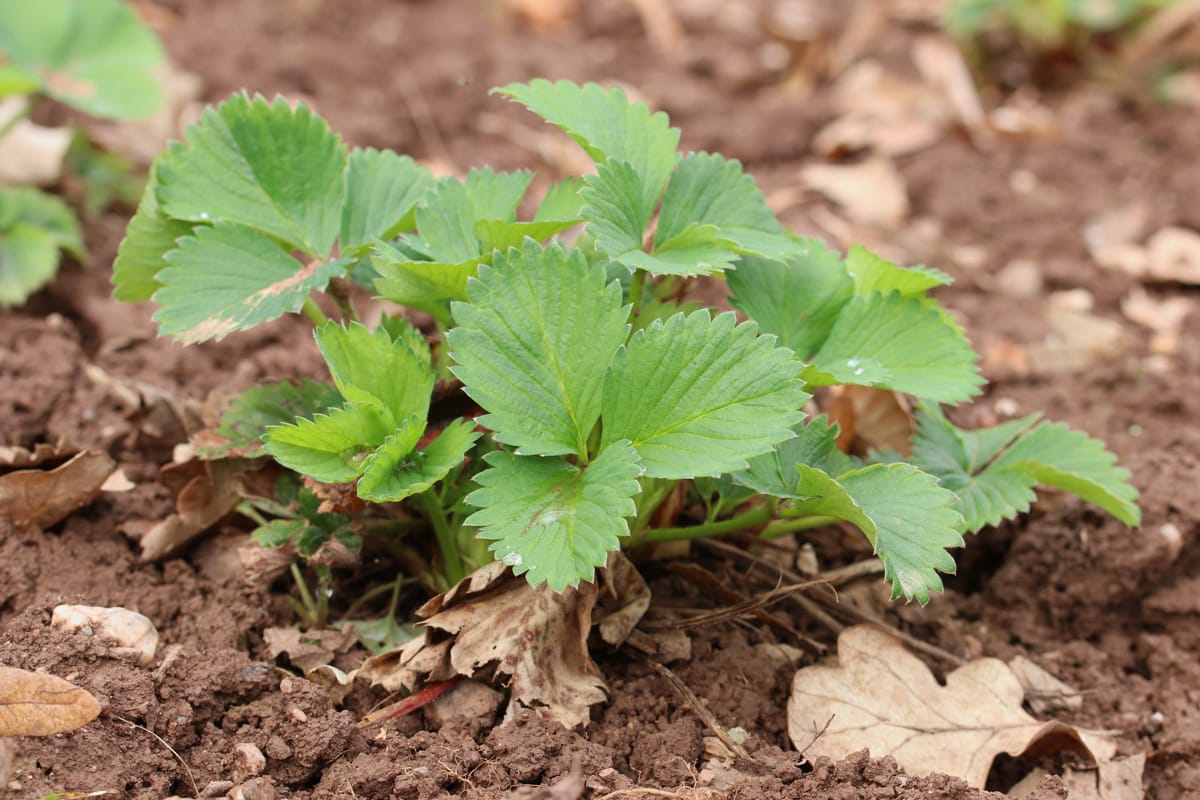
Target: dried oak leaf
[207, 491]
[532, 634]
[883, 698]
[43, 497]
[37, 704]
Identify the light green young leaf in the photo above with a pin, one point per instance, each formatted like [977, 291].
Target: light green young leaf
[1055, 455]
[149, 237]
[898, 343]
[95, 55]
[446, 223]
[872, 274]
[389, 367]
[424, 285]
[701, 396]
[247, 418]
[616, 212]
[533, 345]
[494, 234]
[608, 127]
[268, 167]
[815, 445]
[562, 201]
[227, 278]
[552, 521]
[797, 300]
[28, 261]
[496, 195]
[697, 250]
[419, 470]
[44, 211]
[910, 520]
[377, 481]
[332, 447]
[382, 190]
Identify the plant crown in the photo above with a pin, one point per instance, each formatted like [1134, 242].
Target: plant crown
[601, 392]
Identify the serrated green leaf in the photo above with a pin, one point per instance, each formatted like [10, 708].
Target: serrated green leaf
[382, 191]
[28, 261]
[387, 366]
[247, 418]
[44, 211]
[377, 481]
[897, 343]
[608, 127]
[227, 278]
[815, 445]
[797, 300]
[496, 195]
[616, 212]
[95, 55]
[698, 250]
[1055, 455]
[701, 396]
[416, 472]
[533, 345]
[278, 532]
[552, 521]
[423, 285]
[150, 236]
[562, 201]
[907, 516]
[266, 166]
[332, 447]
[446, 224]
[494, 234]
[872, 274]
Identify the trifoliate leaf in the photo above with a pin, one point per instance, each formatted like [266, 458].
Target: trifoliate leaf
[533, 345]
[909, 519]
[1055, 455]
[797, 300]
[815, 445]
[706, 189]
[608, 127]
[872, 274]
[332, 447]
[227, 278]
[95, 55]
[247, 418]
[701, 396]
[378, 482]
[898, 343]
[550, 520]
[616, 212]
[149, 237]
[28, 261]
[266, 166]
[382, 190]
[419, 470]
[385, 367]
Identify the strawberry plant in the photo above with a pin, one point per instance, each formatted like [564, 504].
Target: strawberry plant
[602, 394]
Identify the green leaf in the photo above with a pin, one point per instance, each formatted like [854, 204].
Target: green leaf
[550, 520]
[533, 345]
[494, 234]
[616, 212]
[278, 532]
[332, 447]
[496, 195]
[423, 285]
[377, 482]
[797, 300]
[907, 516]
[898, 343]
[706, 189]
[95, 55]
[872, 274]
[815, 445]
[247, 418]
[266, 166]
[28, 261]
[389, 367]
[44, 211]
[390, 480]
[382, 191]
[446, 223]
[698, 250]
[1055, 455]
[562, 201]
[701, 396]
[150, 236]
[227, 278]
[608, 127]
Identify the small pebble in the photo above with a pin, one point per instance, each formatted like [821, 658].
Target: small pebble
[297, 714]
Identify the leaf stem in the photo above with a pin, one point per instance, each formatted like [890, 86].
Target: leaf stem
[339, 290]
[784, 526]
[452, 563]
[637, 288]
[315, 315]
[747, 519]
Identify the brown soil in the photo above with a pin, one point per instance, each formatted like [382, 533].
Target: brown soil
[1113, 612]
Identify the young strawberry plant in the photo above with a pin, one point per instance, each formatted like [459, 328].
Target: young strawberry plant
[600, 392]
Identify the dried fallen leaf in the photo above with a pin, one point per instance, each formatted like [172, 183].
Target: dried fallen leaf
[30, 154]
[133, 635]
[1079, 340]
[1119, 779]
[536, 636]
[1043, 692]
[44, 497]
[1174, 255]
[37, 704]
[881, 111]
[871, 419]
[209, 491]
[941, 64]
[308, 650]
[44, 453]
[883, 698]
[872, 192]
[1167, 314]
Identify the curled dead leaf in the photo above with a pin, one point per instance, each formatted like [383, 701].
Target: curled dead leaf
[534, 635]
[37, 704]
[207, 491]
[44, 497]
[871, 419]
[885, 699]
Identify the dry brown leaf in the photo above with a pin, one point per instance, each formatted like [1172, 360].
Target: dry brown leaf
[37, 704]
[1119, 779]
[532, 634]
[44, 497]
[30, 154]
[871, 419]
[1080, 339]
[132, 634]
[941, 64]
[1174, 255]
[871, 192]
[883, 698]
[311, 649]
[207, 491]
[1043, 692]
[23, 458]
[142, 139]
[881, 111]
[1167, 314]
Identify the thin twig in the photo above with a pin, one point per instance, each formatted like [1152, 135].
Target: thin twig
[186, 768]
[729, 612]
